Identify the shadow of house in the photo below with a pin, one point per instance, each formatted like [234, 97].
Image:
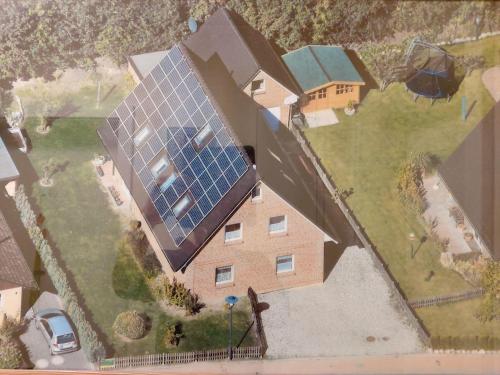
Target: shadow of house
[370, 82]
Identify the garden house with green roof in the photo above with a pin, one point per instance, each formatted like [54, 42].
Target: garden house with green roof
[326, 74]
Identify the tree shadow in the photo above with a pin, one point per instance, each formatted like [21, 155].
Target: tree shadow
[370, 82]
[66, 111]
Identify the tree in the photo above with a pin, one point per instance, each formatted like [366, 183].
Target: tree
[48, 170]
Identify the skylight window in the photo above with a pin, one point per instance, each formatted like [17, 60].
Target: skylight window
[141, 136]
[203, 137]
[160, 167]
[182, 205]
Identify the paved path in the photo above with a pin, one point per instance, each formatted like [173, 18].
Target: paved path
[38, 348]
[394, 364]
[321, 118]
[352, 313]
[491, 80]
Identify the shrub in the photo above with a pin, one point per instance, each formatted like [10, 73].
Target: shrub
[161, 288]
[192, 304]
[410, 181]
[172, 335]
[9, 328]
[130, 324]
[179, 293]
[11, 356]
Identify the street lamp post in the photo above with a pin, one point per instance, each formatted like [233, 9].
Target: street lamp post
[231, 301]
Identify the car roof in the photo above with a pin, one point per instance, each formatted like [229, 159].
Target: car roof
[60, 325]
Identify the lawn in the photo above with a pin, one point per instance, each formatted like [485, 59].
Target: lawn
[364, 152]
[86, 233]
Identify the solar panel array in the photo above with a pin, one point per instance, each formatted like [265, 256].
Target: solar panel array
[171, 102]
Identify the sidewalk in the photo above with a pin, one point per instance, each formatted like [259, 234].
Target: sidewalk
[427, 363]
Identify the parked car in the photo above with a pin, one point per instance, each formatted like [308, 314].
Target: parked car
[57, 330]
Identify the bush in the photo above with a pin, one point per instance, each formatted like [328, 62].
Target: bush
[410, 181]
[172, 335]
[192, 304]
[9, 328]
[176, 294]
[11, 356]
[161, 288]
[88, 337]
[130, 324]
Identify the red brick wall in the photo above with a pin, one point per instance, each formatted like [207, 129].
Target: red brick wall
[254, 257]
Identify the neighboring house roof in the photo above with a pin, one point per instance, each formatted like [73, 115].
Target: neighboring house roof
[8, 170]
[144, 63]
[472, 175]
[243, 50]
[315, 66]
[14, 271]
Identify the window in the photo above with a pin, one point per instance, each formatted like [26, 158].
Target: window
[203, 137]
[164, 173]
[233, 232]
[343, 89]
[224, 274]
[182, 205]
[47, 327]
[277, 224]
[284, 263]
[160, 167]
[312, 96]
[258, 86]
[141, 136]
[257, 193]
[322, 94]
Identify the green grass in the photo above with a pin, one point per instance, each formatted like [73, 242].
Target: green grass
[365, 151]
[488, 48]
[86, 233]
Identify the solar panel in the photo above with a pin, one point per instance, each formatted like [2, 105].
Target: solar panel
[173, 105]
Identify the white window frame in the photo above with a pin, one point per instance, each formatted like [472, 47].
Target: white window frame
[141, 136]
[262, 88]
[226, 240]
[257, 198]
[287, 270]
[224, 281]
[285, 228]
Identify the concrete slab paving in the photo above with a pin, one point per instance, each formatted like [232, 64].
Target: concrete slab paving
[352, 313]
[321, 118]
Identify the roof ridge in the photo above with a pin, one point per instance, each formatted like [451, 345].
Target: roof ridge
[319, 64]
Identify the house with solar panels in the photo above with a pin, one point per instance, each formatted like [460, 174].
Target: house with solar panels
[327, 76]
[223, 190]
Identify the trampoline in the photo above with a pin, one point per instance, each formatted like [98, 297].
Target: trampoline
[430, 71]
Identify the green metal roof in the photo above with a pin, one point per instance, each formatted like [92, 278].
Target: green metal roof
[314, 66]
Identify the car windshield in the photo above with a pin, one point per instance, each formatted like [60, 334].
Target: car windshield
[63, 339]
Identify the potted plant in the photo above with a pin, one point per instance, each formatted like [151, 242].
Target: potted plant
[349, 110]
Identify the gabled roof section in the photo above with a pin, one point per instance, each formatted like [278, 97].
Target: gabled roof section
[178, 157]
[315, 66]
[472, 175]
[242, 49]
[14, 271]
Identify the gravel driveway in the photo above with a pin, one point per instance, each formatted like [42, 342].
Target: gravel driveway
[352, 313]
[38, 348]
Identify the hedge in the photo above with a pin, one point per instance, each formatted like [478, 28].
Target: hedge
[89, 340]
[465, 342]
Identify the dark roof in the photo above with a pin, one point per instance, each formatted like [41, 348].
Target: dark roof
[281, 164]
[14, 271]
[172, 134]
[314, 66]
[472, 175]
[242, 49]
[8, 170]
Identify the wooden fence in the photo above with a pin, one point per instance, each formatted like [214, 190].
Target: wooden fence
[150, 360]
[441, 300]
[330, 185]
